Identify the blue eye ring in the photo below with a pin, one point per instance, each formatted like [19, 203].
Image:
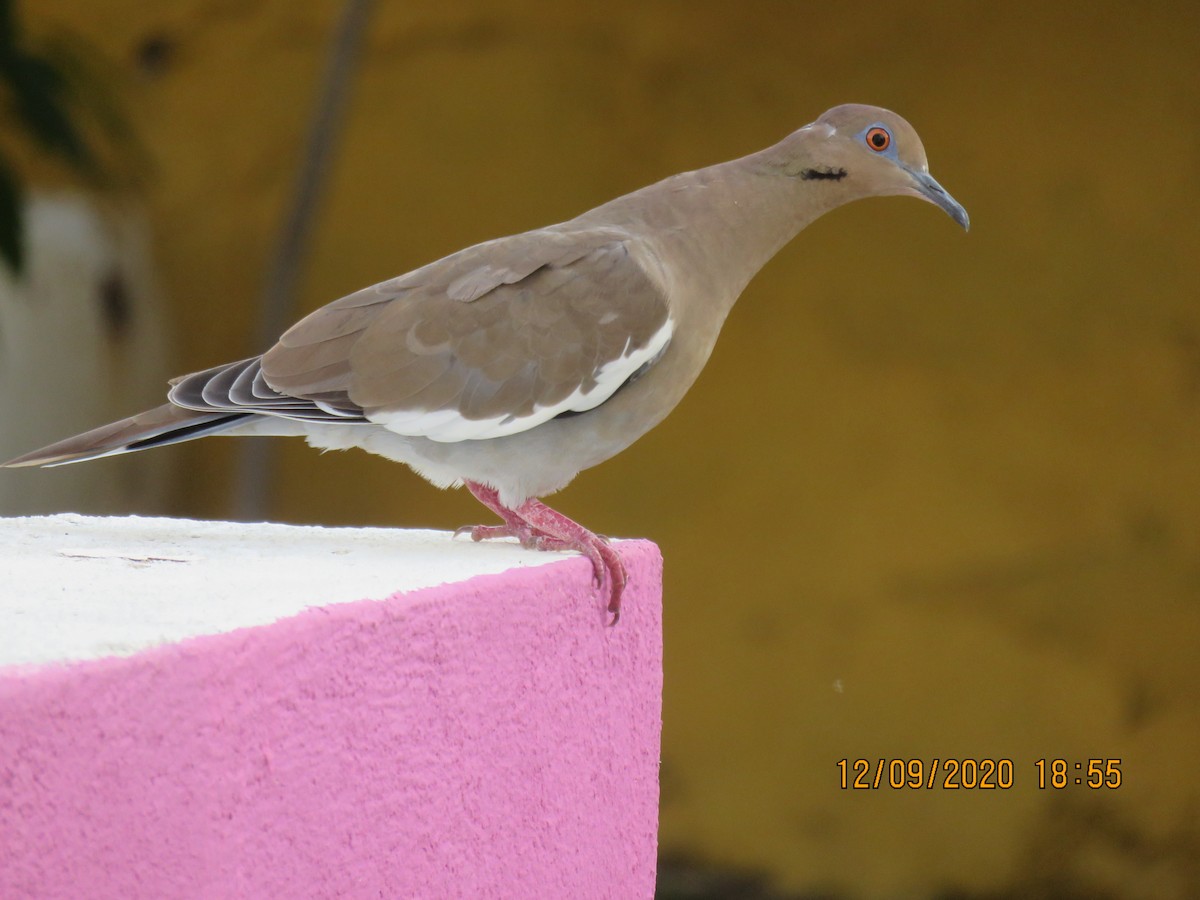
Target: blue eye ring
[878, 138]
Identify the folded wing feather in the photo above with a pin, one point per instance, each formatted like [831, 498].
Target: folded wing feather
[490, 341]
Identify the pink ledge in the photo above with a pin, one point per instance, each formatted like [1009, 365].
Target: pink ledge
[485, 738]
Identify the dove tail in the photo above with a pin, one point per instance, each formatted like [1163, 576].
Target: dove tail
[166, 424]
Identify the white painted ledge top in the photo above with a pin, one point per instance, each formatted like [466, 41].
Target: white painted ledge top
[81, 587]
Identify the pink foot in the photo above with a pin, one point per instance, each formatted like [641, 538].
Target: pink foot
[538, 527]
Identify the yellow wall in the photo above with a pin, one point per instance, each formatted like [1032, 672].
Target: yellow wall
[935, 496]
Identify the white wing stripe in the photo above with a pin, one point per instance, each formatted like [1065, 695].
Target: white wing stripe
[449, 426]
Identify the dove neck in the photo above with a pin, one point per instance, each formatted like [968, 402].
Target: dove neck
[723, 223]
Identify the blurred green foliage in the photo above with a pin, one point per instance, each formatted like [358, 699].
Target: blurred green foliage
[50, 96]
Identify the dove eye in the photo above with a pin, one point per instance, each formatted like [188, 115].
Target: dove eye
[878, 139]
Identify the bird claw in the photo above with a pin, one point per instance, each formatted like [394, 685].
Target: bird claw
[538, 527]
[607, 565]
[529, 538]
[481, 532]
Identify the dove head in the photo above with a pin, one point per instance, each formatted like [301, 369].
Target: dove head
[855, 151]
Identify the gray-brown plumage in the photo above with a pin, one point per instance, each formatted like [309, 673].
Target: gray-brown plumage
[514, 364]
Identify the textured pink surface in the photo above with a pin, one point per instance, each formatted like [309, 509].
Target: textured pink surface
[491, 738]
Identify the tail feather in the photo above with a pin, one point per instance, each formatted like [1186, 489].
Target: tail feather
[166, 424]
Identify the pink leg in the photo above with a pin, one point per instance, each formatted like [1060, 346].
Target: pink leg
[538, 527]
[512, 527]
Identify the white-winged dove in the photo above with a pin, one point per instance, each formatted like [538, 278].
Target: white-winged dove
[512, 365]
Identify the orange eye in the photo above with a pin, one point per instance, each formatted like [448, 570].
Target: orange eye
[878, 139]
